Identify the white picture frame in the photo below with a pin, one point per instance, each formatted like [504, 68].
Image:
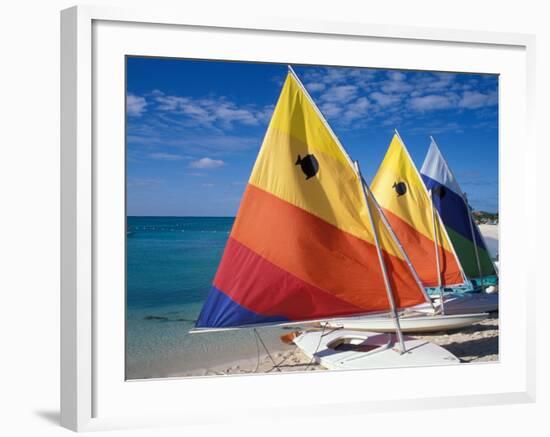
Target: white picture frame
[93, 393]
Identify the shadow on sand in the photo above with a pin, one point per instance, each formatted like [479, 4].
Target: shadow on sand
[474, 349]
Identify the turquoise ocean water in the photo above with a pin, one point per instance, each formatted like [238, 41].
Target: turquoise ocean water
[170, 265]
[171, 261]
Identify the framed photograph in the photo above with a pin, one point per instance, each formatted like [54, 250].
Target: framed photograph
[258, 207]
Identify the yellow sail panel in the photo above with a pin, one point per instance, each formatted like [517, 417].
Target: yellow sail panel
[301, 163]
[297, 117]
[401, 193]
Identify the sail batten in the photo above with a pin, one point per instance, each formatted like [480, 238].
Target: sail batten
[301, 247]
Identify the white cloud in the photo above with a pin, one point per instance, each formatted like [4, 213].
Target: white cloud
[335, 75]
[135, 105]
[348, 97]
[438, 128]
[337, 100]
[207, 163]
[314, 87]
[357, 109]
[166, 156]
[431, 102]
[393, 120]
[323, 77]
[331, 109]
[396, 76]
[210, 112]
[340, 94]
[439, 81]
[475, 99]
[144, 183]
[385, 99]
[396, 86]
[229, 114]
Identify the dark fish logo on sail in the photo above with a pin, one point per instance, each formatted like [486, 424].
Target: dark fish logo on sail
[400, 188]
[309, 165]
[440, 191]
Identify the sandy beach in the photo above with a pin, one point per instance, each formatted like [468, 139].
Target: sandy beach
[490, 234]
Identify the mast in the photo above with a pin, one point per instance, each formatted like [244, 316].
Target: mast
[474, 239]
[437, 261]
[389, 291]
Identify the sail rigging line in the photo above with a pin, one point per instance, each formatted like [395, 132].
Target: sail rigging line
[318, 346]
[387, 283]
[282, 361]
[257, 354]
[437, 260]
[267, 350]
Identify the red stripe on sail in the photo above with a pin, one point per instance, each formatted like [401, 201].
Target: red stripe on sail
[320, 254]
[262, 287]
[421, 252]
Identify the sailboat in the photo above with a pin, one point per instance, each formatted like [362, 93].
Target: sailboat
[407, 205]
[309, 245]
[465, 236]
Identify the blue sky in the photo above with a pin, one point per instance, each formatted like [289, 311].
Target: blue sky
[194, 128]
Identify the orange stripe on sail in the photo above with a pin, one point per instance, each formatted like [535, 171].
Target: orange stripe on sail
[319, 253]
[421, 252]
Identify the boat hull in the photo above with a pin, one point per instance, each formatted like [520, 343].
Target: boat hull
[471, 303]
[417, 322]
[345, 349]
[464, 303]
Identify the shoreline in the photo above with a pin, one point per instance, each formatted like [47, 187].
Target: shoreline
[477, 343]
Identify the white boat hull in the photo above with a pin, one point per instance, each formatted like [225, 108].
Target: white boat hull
[467, 303]
[344, 349]
[409, 322]
[471, 303]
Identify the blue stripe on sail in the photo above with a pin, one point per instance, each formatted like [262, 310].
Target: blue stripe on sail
[453, 211]
[220, 311]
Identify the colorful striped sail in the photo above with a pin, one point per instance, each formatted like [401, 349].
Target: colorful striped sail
[301, 247]
[406, 203]
[456, 215]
